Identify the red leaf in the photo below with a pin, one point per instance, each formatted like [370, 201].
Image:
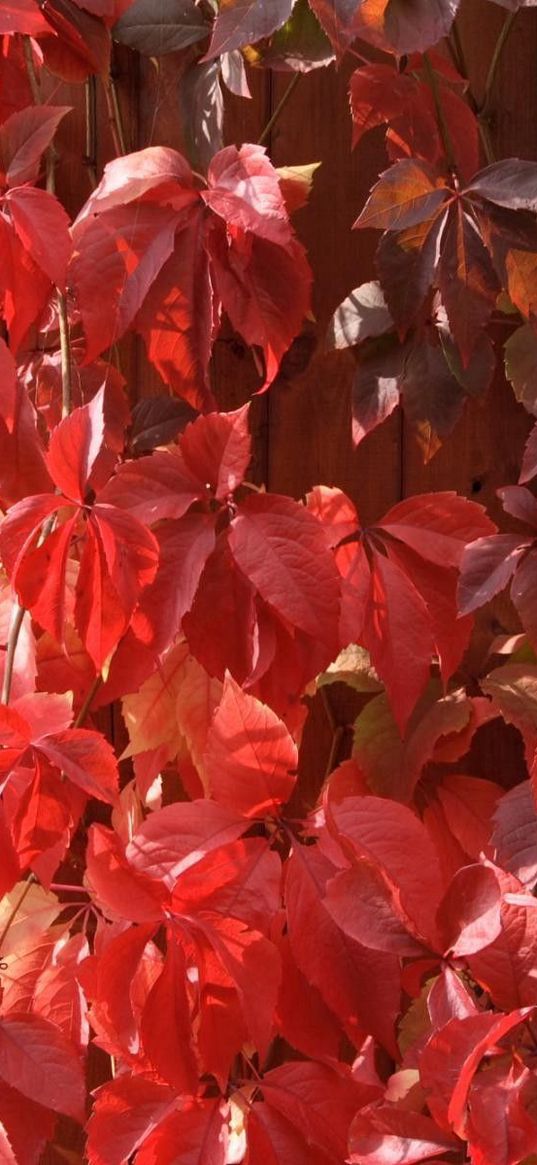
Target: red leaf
[384, 832]
[153, 488]
[178, 316]
[120, 559]
[81, 45]
[337, 17]
[302, 1016]
[245, 192]
[42, 226]
[392, 1136]
[469, 913]
[21, 16]
[166, 1026]
[397, 633]
[253, 964]
[24, 137]
[366, 905]
[196, 1135]
[438, 525]
[378, 94]
[24, 287]
[176, 837]
[317, 1099]
[126, 1111]
[38, 1060]
[242, 22]
[281, 548]
[264, 289]
[396, 27]
[469, 804]
[510, 183]
[43, 817]
[119, 888]
[86, 758]
[74, 447]
[27, 1124]
[218, 449]
[362, 314]
[488, 565]
[23, 470]
[406, 264]
[505, 968]
[451, 1058]
[467, 281]
[501, 1127]
[405, 195]
[272, 1139]
[184, 549]
[514, 836]
[250, 760]
[240, 879]
[131, 245]
[222, 621]
[360, 986]
[529, 462]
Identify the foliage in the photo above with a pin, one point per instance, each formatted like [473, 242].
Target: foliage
[249, 972]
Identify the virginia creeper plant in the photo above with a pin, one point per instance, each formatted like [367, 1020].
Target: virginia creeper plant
[198, 964]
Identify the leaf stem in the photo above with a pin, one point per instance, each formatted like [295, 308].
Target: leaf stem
[31, 70]
[440, 116]
[37, 95]
[264, 136]
[88, 701]
[114, 116]
[493, 67]
[90, 157]
[27, 887]
[65, 350]
[14, 633]
[457, 51]
[334, 750]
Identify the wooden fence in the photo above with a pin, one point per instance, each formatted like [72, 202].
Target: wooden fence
[302, 426]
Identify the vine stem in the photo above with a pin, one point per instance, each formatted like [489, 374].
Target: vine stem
[264, 136]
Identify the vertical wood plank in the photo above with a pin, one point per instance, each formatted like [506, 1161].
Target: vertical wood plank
[309, 414]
